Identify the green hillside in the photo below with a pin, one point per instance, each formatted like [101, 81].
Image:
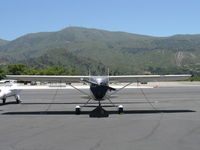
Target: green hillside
[3, 42]
[72, 38]
[122, 52]
[61, 57]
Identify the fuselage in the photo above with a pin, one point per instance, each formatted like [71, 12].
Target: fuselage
[99, 87]
[8, 91]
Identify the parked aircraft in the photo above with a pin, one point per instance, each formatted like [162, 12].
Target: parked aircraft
[100, 88]
[9, 90]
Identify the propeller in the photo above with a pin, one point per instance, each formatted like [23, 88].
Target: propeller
[110, 88]
[94, 83]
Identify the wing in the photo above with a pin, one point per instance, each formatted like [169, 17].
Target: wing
[27, 87]
[147, 78]
[43, 78]
[77, 79]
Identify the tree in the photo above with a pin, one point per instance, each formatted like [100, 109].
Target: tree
[54, 70]
[16, 69]
[2, 72]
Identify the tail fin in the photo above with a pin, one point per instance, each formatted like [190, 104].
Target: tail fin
[11, 83]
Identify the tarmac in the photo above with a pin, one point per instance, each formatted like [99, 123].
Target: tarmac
[160, 118]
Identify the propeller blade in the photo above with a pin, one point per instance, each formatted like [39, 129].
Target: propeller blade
[91, 82]
[87, 81]
[110, 88]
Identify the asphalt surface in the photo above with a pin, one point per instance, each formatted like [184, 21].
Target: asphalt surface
[162, 118]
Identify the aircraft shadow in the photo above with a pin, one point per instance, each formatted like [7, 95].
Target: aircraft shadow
[45, 103]
[88, 112]
[8, 103]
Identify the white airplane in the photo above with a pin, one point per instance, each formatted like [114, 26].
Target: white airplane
[9, 90]
[99, 86]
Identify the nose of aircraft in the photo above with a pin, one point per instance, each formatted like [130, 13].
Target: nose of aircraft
[99, 81]
[1, 95]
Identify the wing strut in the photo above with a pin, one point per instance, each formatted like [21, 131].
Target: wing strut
[120, 89]
[80, 91]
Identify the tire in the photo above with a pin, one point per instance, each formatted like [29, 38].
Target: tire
[17, 97]
[4, 100]
[18, 101]
[77, 110]
[120, 109]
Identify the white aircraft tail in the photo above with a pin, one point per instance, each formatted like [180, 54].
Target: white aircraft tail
[11, 84]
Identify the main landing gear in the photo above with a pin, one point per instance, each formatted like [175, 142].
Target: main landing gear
[77, 110]
[4, 101]
[98, 112]
[17, 97]
[120, 109]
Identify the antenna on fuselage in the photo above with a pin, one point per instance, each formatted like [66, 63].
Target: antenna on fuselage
[108, 74]
[89, 74]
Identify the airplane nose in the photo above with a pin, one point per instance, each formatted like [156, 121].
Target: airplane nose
[99, 81]
[2, 95]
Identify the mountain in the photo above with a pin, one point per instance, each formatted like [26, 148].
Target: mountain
[123, 53]
[4, 58]
[3, 42]
[66, 59]
[72, 38]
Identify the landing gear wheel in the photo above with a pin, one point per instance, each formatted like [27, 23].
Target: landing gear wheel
[78, 110]
[120, 109]
[4, 100]
[17, 97]
[18, 101]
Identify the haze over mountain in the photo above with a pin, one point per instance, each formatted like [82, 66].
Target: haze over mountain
[123, 53]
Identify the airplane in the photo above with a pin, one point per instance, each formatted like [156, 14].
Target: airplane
[99, 86]
[9, 90]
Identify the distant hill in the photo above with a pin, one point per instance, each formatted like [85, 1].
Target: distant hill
[4, 58]
[62, 57]
[3, 42]
[122, 52]
[73, 38]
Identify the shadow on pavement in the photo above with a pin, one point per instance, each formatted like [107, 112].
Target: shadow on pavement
[88, 112]
[8, 103]
[45, 103]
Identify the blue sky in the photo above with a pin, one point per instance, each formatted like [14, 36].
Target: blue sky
[149, 17]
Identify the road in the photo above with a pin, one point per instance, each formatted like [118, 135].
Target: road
[162, 118]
